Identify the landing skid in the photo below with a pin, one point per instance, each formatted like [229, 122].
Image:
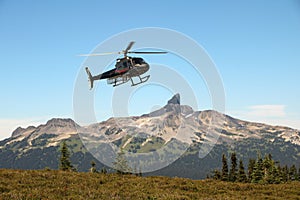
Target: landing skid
[119, 83]
[124, 79]
[142, 80]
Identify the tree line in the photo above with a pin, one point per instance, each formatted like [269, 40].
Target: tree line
[259, 170]
[120, 165]
[65, 162]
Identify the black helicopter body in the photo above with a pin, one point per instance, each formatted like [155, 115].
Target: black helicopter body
[125, 68]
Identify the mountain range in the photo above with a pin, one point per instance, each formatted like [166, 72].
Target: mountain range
[174, 140]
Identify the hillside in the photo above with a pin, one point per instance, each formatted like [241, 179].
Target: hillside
[172, 141]
[45, 184]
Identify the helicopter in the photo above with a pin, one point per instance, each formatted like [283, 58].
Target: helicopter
[125, 68]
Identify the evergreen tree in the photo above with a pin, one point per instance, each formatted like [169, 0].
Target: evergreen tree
[272, 171]
[103, 170]
[269, 156]
[251, 168]
[217, 175]
[93, 167]
[65, 163]
[233, 168]
[268, 168]
[267, 162]
[241, 173]
[278, 174]
[224, 168]
[121, 165]
[293, 173]
[258, 171]
[285, 174]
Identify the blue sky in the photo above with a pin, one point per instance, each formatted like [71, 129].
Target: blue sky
[254, 44]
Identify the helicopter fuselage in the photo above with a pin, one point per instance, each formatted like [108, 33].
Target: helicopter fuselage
[125, 68]
[128, 66]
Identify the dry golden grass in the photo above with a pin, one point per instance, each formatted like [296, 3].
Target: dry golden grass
[53, 184]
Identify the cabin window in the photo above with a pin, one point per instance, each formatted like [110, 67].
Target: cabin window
[138, 61]
[124, 65]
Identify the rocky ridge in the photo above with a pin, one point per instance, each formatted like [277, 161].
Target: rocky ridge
[149, 132]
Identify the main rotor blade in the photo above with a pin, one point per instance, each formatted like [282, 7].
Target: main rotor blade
[147, 52]
[100, 54]
[129, 46]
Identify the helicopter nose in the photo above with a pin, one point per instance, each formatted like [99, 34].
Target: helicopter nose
[139, 69]
[144, 67]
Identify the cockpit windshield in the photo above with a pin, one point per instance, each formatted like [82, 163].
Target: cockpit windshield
[138, 61]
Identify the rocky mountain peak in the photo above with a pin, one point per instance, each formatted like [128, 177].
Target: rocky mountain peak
[175, 99]
[17, 132]
[20, 131]
[53, 126]
[61, 122]
[174, 106]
